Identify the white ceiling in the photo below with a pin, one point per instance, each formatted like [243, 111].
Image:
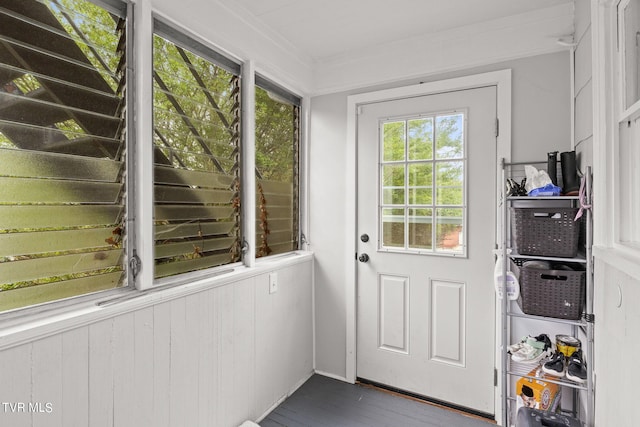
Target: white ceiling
[324, 29]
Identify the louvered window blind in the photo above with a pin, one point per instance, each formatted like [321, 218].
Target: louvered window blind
[277, 165]
[196, 108]
[62, 149]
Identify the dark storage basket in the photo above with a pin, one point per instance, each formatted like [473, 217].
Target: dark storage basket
[552, 293]
[545, 231]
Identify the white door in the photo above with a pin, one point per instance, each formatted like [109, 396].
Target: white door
[426, 203]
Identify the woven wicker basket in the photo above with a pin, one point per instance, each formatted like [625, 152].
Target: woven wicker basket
[545, 231]
[552, 293]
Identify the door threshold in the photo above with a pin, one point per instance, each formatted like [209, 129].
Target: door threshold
[425, 399]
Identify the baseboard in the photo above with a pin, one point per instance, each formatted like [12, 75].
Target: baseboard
[335, 377]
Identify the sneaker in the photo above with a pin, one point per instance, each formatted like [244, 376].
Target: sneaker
[576, 370]
[513, 348]
[555, 366]
[533, 350]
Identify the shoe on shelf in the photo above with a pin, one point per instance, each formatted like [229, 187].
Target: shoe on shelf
[533, 350]
[513, 348]
[555, 366]
[576, 370]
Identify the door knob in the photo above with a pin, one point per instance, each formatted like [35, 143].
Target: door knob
[363, 258]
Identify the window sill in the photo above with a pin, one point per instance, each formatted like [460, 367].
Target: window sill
[20, 330]
[624, 259]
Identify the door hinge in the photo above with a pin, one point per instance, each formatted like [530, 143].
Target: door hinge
[497, 127]
[495, 377]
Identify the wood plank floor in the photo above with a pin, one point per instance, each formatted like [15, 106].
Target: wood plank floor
[324, 402]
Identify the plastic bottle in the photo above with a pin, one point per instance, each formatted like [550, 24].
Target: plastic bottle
[513, 287]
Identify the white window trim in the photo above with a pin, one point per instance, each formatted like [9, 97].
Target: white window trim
[502, 80]
[143, 66]
[248, 189]
[608, 111]
[58, 319]
[144, 230]
[30, 323]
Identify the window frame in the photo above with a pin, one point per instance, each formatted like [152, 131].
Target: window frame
[194, 45]
[123, 9]
[434, 206]
[624, 141]
[139, 186]
[296, 101]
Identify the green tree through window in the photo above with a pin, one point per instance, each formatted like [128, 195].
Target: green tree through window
[277, 142]
[422, 183]
[62, 150]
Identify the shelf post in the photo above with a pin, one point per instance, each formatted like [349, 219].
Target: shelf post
[504, 303]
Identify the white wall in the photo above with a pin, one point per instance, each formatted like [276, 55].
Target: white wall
[583, 108]
[617, 338]
[213, 358]
[583, 88]
[459, 48]
[541, 118]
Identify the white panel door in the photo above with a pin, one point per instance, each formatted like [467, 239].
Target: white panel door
[426, 181]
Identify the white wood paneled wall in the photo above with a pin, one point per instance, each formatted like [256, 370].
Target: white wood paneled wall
[583, 88]
[214, 358]
[617, 345]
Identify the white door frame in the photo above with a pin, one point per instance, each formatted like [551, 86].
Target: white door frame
[502, 80]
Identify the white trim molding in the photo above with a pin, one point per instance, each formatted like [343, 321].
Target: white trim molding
[490, 42]
[608, 111]
[143, 105]
[23, 330]
[248, 187]
[500, 79]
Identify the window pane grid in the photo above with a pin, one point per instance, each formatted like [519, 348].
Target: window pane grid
[422, 198]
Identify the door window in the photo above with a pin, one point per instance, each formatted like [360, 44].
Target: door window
[422, 184]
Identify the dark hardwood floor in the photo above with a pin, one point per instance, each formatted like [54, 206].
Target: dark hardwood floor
[324, 402]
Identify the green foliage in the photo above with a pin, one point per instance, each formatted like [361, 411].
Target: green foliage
[203, 132]
[275, 137]
[412, 141]
[420, 138]
[94, 31]
[196, 108]
[393, 137]
[423, 168]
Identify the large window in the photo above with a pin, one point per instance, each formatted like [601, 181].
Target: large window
[69, 172]
[422, 190]
[277, 158]
[196, 112]
[69, 169]
[628, 147]
[62, 150]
